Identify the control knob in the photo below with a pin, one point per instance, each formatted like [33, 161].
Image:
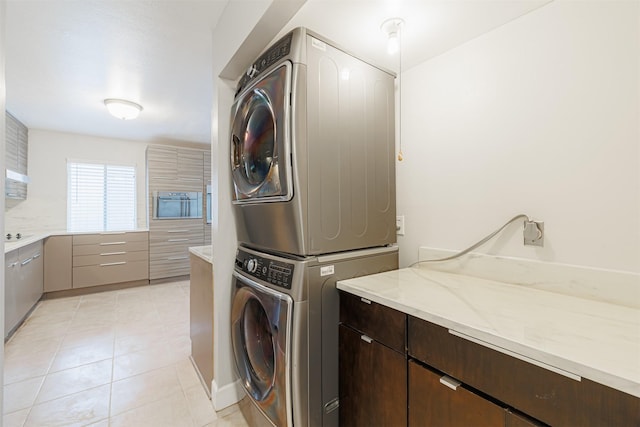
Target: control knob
[252, 265]
[252, 71]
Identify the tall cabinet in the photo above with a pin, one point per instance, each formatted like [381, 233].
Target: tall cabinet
[16, 140]
[174, 169]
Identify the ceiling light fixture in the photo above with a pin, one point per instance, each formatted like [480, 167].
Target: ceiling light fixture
[122, 109]
[391, 27]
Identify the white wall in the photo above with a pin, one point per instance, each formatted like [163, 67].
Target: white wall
[540, 116]
[45, 208]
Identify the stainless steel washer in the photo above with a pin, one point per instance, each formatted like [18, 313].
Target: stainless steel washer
[284, 331]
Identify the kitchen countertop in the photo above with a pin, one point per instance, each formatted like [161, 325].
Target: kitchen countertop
[12, 245]
[203, 252]
[583, 337]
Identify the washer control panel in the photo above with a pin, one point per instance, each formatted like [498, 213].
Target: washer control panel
[277, 273]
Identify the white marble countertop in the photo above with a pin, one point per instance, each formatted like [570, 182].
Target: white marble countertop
[596, 340]
[204, 252]
[28, 238]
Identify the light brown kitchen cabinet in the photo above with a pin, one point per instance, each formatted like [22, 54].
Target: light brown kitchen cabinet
[175, 169]
[109, 258]
[58, 255]
[16, 147]
[201, 318]
[372, 364]
[23, 283]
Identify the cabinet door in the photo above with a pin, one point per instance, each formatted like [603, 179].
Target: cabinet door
[373, 382]
[440, 401]
[57, 263]
[31, 272]
[11, 277]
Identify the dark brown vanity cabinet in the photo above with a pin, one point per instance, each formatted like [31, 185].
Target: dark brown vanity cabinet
[398, 370]
[373, 364]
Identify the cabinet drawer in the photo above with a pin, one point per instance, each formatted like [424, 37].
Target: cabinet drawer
[110, 247]
[437, 400]
[543, 394]
[169, 266]
[383, 324]
[124, 271]
[109, 258]
[88, 239]
[177, 235]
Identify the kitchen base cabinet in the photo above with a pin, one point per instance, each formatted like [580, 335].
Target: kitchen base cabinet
[201, 318]
[108, 258]
[372, 364]
[438, 400]
[23, 284]
[548, 396]
[58, 255]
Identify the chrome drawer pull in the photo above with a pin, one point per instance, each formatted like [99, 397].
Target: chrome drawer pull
[366, 339]
[366, 301]
[26, 261]
[177, 240]
[453, 384]
[36, 256]
[177, 231]
[112, 243]
[108, 264]
[176, 258]
[112, 253]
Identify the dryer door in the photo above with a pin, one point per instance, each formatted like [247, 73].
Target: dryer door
[260, 140]
[260, 335]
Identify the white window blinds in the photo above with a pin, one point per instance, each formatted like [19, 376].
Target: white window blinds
[100, 197]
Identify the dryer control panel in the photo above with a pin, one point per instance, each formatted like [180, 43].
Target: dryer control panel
[277, 273]
[275, 53]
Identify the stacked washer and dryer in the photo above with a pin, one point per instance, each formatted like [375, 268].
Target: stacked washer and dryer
[312, 161]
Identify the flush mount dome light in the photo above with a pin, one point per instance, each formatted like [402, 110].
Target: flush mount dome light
[125, 110]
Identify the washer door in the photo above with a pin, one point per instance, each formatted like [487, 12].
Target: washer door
[260, 335]
[260, 140]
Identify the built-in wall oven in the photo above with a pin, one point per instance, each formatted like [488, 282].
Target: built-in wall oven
[177, 204]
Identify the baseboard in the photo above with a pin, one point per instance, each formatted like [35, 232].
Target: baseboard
[230, 394]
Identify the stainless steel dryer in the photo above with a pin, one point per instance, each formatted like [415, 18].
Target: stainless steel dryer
[284, 332]
[312, 150]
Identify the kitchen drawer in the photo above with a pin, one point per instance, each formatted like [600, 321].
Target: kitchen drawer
[181, 247]
[110, 247]
[546, 395]
[381, 323]
[115, 237]
[438, 400]
[169, 266]
[124, 271]
[176, 233]
[109, 258]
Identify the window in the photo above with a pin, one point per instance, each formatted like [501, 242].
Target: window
[100, 197]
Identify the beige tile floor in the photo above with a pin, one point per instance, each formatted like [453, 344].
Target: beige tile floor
[118, 358]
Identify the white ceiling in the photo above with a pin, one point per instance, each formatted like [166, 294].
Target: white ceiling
[64, 57]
